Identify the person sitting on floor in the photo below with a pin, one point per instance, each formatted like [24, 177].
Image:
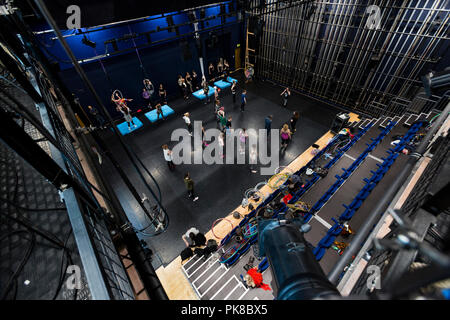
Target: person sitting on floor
[194, 238]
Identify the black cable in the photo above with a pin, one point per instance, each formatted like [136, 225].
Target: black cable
[22, 263]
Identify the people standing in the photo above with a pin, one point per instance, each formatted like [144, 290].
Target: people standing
[180, 84]
[285, 94]
[98, 117]
[189, 183]
[146, 96]
[243, 99]
[242, 139]
[233, 90]
[185, 89]
[294, 120]
[195, 82]
[211, 71]
[162, 94]
[187, 120]
[148, 85]
[205, 86]
[222, 119]
[285, 135]
[168, 157]
[159, 112]
[204, 143]
[253, 158]
[226, 68]
[121, 105]
[216, 93]
[228, 124]
[268, 124]
[188, 79]
[220, 67]
[221, 141]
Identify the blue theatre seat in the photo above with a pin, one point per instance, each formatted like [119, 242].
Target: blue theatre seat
[201, 96]
[230, 80]
[123, 127]
[152, 116]
[222, 84]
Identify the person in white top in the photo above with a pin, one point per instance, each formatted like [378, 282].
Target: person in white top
[221, 141]
[187, 119]
[242, 138]
[168, 157]
[253, 158]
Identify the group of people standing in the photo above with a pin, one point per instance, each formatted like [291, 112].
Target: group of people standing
[221, 70]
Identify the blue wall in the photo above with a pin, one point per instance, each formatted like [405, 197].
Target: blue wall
[162, 61]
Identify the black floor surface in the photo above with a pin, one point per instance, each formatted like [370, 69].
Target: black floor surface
[220, 187]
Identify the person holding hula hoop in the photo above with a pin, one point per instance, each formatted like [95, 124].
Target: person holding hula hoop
[121, 105]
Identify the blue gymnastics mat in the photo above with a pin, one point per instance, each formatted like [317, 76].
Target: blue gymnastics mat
[123, 127]
[152, 116]
[200, 95]
[230, 80]
[222, 84]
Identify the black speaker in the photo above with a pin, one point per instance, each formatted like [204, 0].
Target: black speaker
[339, 122]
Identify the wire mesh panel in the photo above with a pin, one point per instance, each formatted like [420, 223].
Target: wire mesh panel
[37, 243]
[355, 54]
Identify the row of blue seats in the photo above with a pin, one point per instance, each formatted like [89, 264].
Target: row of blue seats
[347, 172]
[379, 174]
[308, 184]
[356, 203]
[228, 237]
[336, 229]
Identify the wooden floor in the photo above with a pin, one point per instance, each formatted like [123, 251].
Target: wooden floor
[172, 278]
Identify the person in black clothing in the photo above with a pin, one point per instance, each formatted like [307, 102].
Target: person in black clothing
[162, 94]
[195, 82]
[286, 94]
[294, 120]
[211, 71]
[190, 187]
[194, 238]
[101, 121]
[233, 90]
[205, 86]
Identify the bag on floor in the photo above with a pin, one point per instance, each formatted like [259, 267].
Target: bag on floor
[186, 253]
[199, 251]
[199, 239]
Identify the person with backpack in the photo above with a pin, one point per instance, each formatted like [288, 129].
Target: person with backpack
[190, 187]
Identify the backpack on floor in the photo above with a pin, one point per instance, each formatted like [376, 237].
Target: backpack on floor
[186, 253]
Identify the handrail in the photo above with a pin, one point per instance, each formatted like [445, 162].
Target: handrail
[387, 198]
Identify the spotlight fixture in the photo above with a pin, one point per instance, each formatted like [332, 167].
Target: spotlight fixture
[88, 42]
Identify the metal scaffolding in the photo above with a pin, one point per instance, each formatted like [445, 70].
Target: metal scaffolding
[366, 56]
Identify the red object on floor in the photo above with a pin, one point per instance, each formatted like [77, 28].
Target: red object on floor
[286, 198]
[258, 279]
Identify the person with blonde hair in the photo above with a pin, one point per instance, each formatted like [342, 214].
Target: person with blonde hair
[285, 135]
[168, 157]
[187, 120]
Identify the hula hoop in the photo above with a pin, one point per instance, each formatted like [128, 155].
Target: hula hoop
[118, 91]
[217, 221]
[280, 179]
[252, 226]
[280, 169]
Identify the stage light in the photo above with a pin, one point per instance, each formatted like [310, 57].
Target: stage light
[87, 42]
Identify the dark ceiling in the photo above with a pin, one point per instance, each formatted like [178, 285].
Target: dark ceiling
[100, 12]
